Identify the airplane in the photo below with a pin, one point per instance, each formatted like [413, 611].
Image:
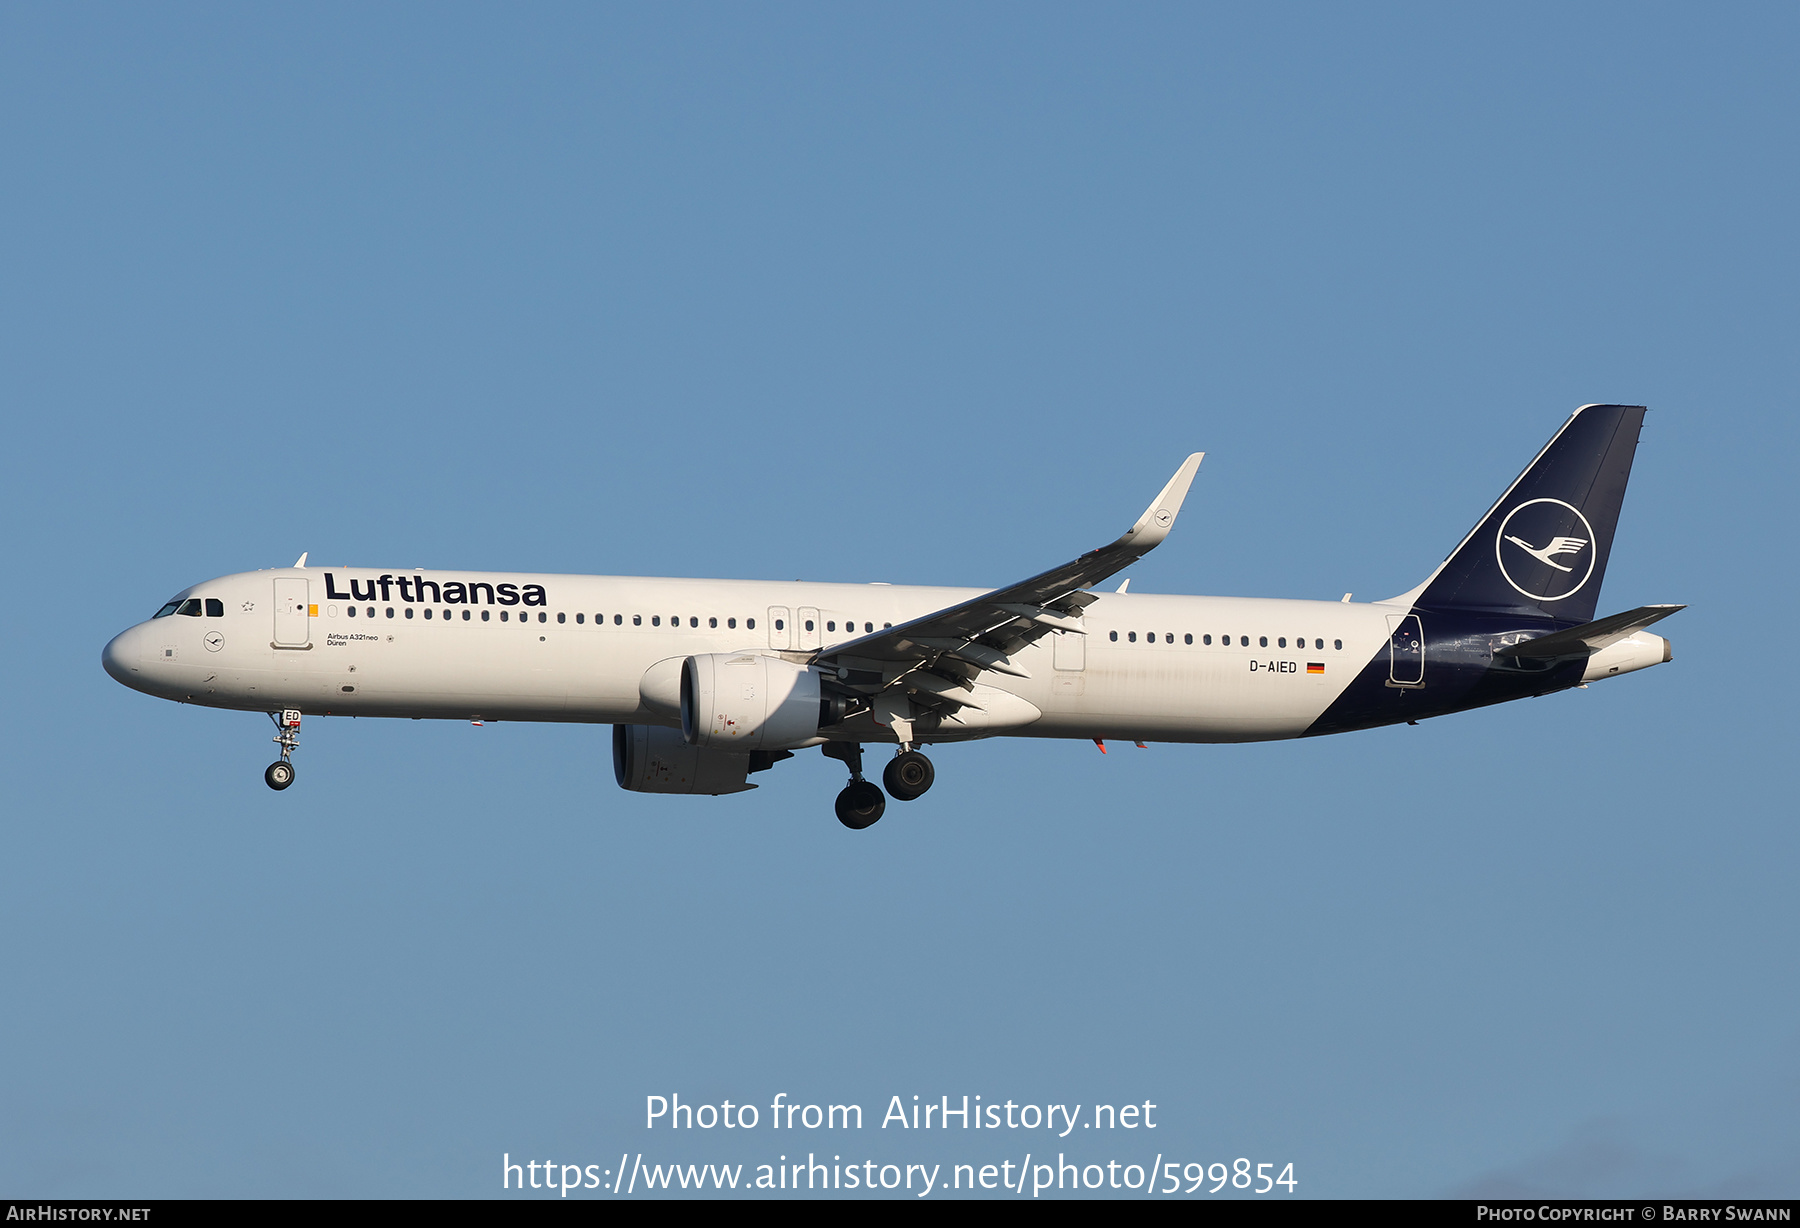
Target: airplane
[708, 682]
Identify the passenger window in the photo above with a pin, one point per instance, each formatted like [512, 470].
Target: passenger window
[427, 613]
[886, 626]
[693, 622]
[712, 622]
[1169, 638]
[1187, 639]
[809, 624]
[780, 625]
[870, 627]
[1244, 640]
[656, 620]
[731, 623]
[465, 616]
[544, 616]
[831, 626]
[563, 618]
[1282, 641]
[409, 611]
[1338, 644]
[484, 616]
[371, 611]
[1262, 641]
[190, 607]
[1132, 636]
[215, 608]
[1319, 644]
[167, 610]
[350, 610]
[1114, 636]
[1150, 637]
[502, 615]
[1206, 639]
[749, 624]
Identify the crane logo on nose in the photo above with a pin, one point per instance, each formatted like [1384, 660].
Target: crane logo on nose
[1554, 570]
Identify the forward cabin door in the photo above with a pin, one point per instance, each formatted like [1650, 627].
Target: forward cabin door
[292, 628]
[781, 627]
[1406, 651]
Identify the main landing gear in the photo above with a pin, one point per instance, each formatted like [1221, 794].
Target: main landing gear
[907, 776]
[861, 803]
[280, 774]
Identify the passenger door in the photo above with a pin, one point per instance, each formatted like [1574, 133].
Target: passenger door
[810, 628]
[1406, 651]
[781, 627]
[293, 627]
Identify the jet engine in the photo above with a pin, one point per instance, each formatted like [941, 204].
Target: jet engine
[655, 759]
[747, 701]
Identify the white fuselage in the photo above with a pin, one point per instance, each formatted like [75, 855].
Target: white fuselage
[1163, 668]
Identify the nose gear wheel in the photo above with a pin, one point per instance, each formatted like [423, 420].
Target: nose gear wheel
[280, 774]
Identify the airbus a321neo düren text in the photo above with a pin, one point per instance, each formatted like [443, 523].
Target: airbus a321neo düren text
[708, 682]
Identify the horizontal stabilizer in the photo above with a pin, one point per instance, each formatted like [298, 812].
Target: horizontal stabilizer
[1589, 637]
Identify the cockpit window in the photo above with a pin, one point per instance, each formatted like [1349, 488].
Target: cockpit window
[167, 610]
[190, 607]
[215, 608]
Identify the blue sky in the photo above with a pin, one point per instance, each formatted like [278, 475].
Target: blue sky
[931, 294]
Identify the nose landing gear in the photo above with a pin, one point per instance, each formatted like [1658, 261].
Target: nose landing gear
[860, 804]
[280, 774]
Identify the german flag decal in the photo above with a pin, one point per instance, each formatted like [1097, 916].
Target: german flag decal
[1315, 667]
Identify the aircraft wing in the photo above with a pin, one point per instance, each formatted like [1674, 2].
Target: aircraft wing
[932, 662]
[1589, 637]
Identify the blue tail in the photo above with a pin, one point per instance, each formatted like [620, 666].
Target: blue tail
[1542, 550]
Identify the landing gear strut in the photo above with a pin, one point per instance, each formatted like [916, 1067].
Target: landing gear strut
[280, 774]
[861, 802]
[907, 776]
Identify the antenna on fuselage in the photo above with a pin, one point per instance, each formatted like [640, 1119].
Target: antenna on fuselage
[301, 561]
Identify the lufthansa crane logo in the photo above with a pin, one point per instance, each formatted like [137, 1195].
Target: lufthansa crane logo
[1545, 549]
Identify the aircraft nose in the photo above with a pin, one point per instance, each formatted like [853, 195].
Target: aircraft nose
[120, 656]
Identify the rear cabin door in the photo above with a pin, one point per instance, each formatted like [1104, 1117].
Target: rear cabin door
[292, 628]
[1406, 651]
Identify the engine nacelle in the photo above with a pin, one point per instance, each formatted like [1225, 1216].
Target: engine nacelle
[655, 759]
[744, 701]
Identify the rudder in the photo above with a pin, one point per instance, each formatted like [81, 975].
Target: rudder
[1541, 551]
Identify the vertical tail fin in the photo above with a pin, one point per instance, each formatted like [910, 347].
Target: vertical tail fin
[1541, 551]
